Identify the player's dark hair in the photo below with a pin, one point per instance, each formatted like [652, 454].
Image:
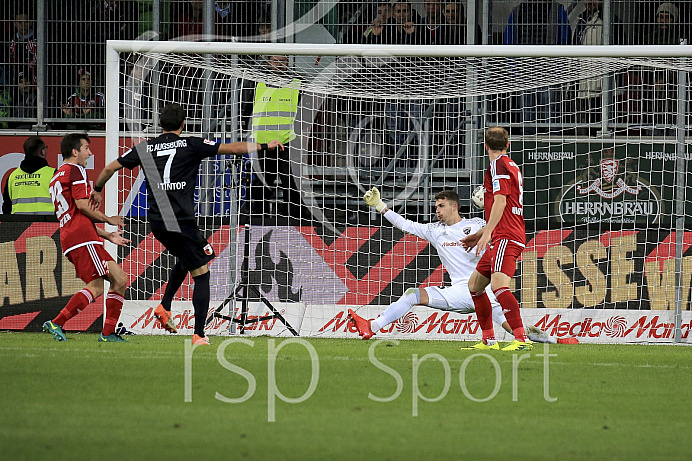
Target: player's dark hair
[496, 138]
[70, 142]
[33, 146]
[448, 195]
[172, 116]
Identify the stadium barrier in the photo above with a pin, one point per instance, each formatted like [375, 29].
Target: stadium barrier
[625, 296]
[599, 287]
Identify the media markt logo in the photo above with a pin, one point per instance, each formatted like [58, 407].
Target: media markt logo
[609, 191]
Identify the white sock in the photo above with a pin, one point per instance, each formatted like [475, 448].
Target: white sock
[498, 315]
[395, 311]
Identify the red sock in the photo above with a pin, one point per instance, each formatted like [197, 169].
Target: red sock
[114, 304]
[484, 313]
[74, 306]
[510, 307]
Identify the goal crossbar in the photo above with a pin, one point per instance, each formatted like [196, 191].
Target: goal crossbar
[474, 51]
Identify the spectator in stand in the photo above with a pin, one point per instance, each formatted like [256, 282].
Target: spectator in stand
[264, 28]
[108, 20]
[588, 30]
[189, 19]
[454, 29]
[402, 29]
[666, 31]
[25, 94]
[26, 191]
[23, 48]
[431, 32]
[84, 103]
[538, 22]
[235, 18]
[383, 14]
[145, 10]
[112, 20]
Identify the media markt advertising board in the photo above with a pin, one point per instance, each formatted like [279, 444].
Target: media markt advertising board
[598, 181]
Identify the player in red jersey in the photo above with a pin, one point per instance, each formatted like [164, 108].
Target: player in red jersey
[502, 240]
[82, 241]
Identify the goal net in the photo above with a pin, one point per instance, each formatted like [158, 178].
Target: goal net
[600, 134]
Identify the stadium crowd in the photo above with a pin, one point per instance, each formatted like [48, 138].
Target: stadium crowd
[70, 50]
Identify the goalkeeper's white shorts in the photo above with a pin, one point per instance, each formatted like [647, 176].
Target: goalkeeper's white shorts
[457, 298]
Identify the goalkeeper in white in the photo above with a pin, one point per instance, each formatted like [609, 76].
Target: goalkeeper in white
[445, 235]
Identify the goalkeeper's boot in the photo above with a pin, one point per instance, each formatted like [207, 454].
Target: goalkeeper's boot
[165, 319]
[362, 325]
[112, 338]
[482, 346]
[517, 345]
[200, 340]
[56, 330]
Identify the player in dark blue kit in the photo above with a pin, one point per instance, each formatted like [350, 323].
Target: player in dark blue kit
[171, 164]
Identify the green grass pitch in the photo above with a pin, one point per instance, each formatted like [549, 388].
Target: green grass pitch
[82, 399]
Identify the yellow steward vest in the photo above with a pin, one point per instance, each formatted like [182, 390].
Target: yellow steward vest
[274, 112]
[29, 191]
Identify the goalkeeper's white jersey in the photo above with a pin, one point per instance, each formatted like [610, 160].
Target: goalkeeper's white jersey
[447, 241]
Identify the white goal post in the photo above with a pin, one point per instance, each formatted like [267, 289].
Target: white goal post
[599, 131]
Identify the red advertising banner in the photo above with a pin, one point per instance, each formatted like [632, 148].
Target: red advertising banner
[37, 280]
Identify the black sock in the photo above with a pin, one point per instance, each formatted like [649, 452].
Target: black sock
[200, 301]
[175, 280]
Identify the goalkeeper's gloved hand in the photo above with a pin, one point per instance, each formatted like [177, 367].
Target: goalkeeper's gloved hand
[372, 198]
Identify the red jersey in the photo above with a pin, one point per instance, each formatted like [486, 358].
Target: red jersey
[503, 177]
[76, 229]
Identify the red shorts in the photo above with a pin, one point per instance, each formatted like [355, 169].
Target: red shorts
[90, 262]
[501, 257]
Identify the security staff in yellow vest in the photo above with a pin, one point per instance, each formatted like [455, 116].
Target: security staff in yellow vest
[273, 115]
[26, 191]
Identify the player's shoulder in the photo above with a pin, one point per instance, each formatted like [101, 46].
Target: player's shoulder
[471, 225]
[78, 173]
[476, 221]
[195, 141]
[507, 160]
[61, 172]
[69, 167]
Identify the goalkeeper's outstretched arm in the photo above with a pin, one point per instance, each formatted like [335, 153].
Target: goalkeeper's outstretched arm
[372, 198]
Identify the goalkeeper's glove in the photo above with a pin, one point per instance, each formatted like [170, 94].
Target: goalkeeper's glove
[372, 198]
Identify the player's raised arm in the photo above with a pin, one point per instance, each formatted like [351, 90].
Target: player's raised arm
[95, 198]
[373, 198]
[240, 148]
